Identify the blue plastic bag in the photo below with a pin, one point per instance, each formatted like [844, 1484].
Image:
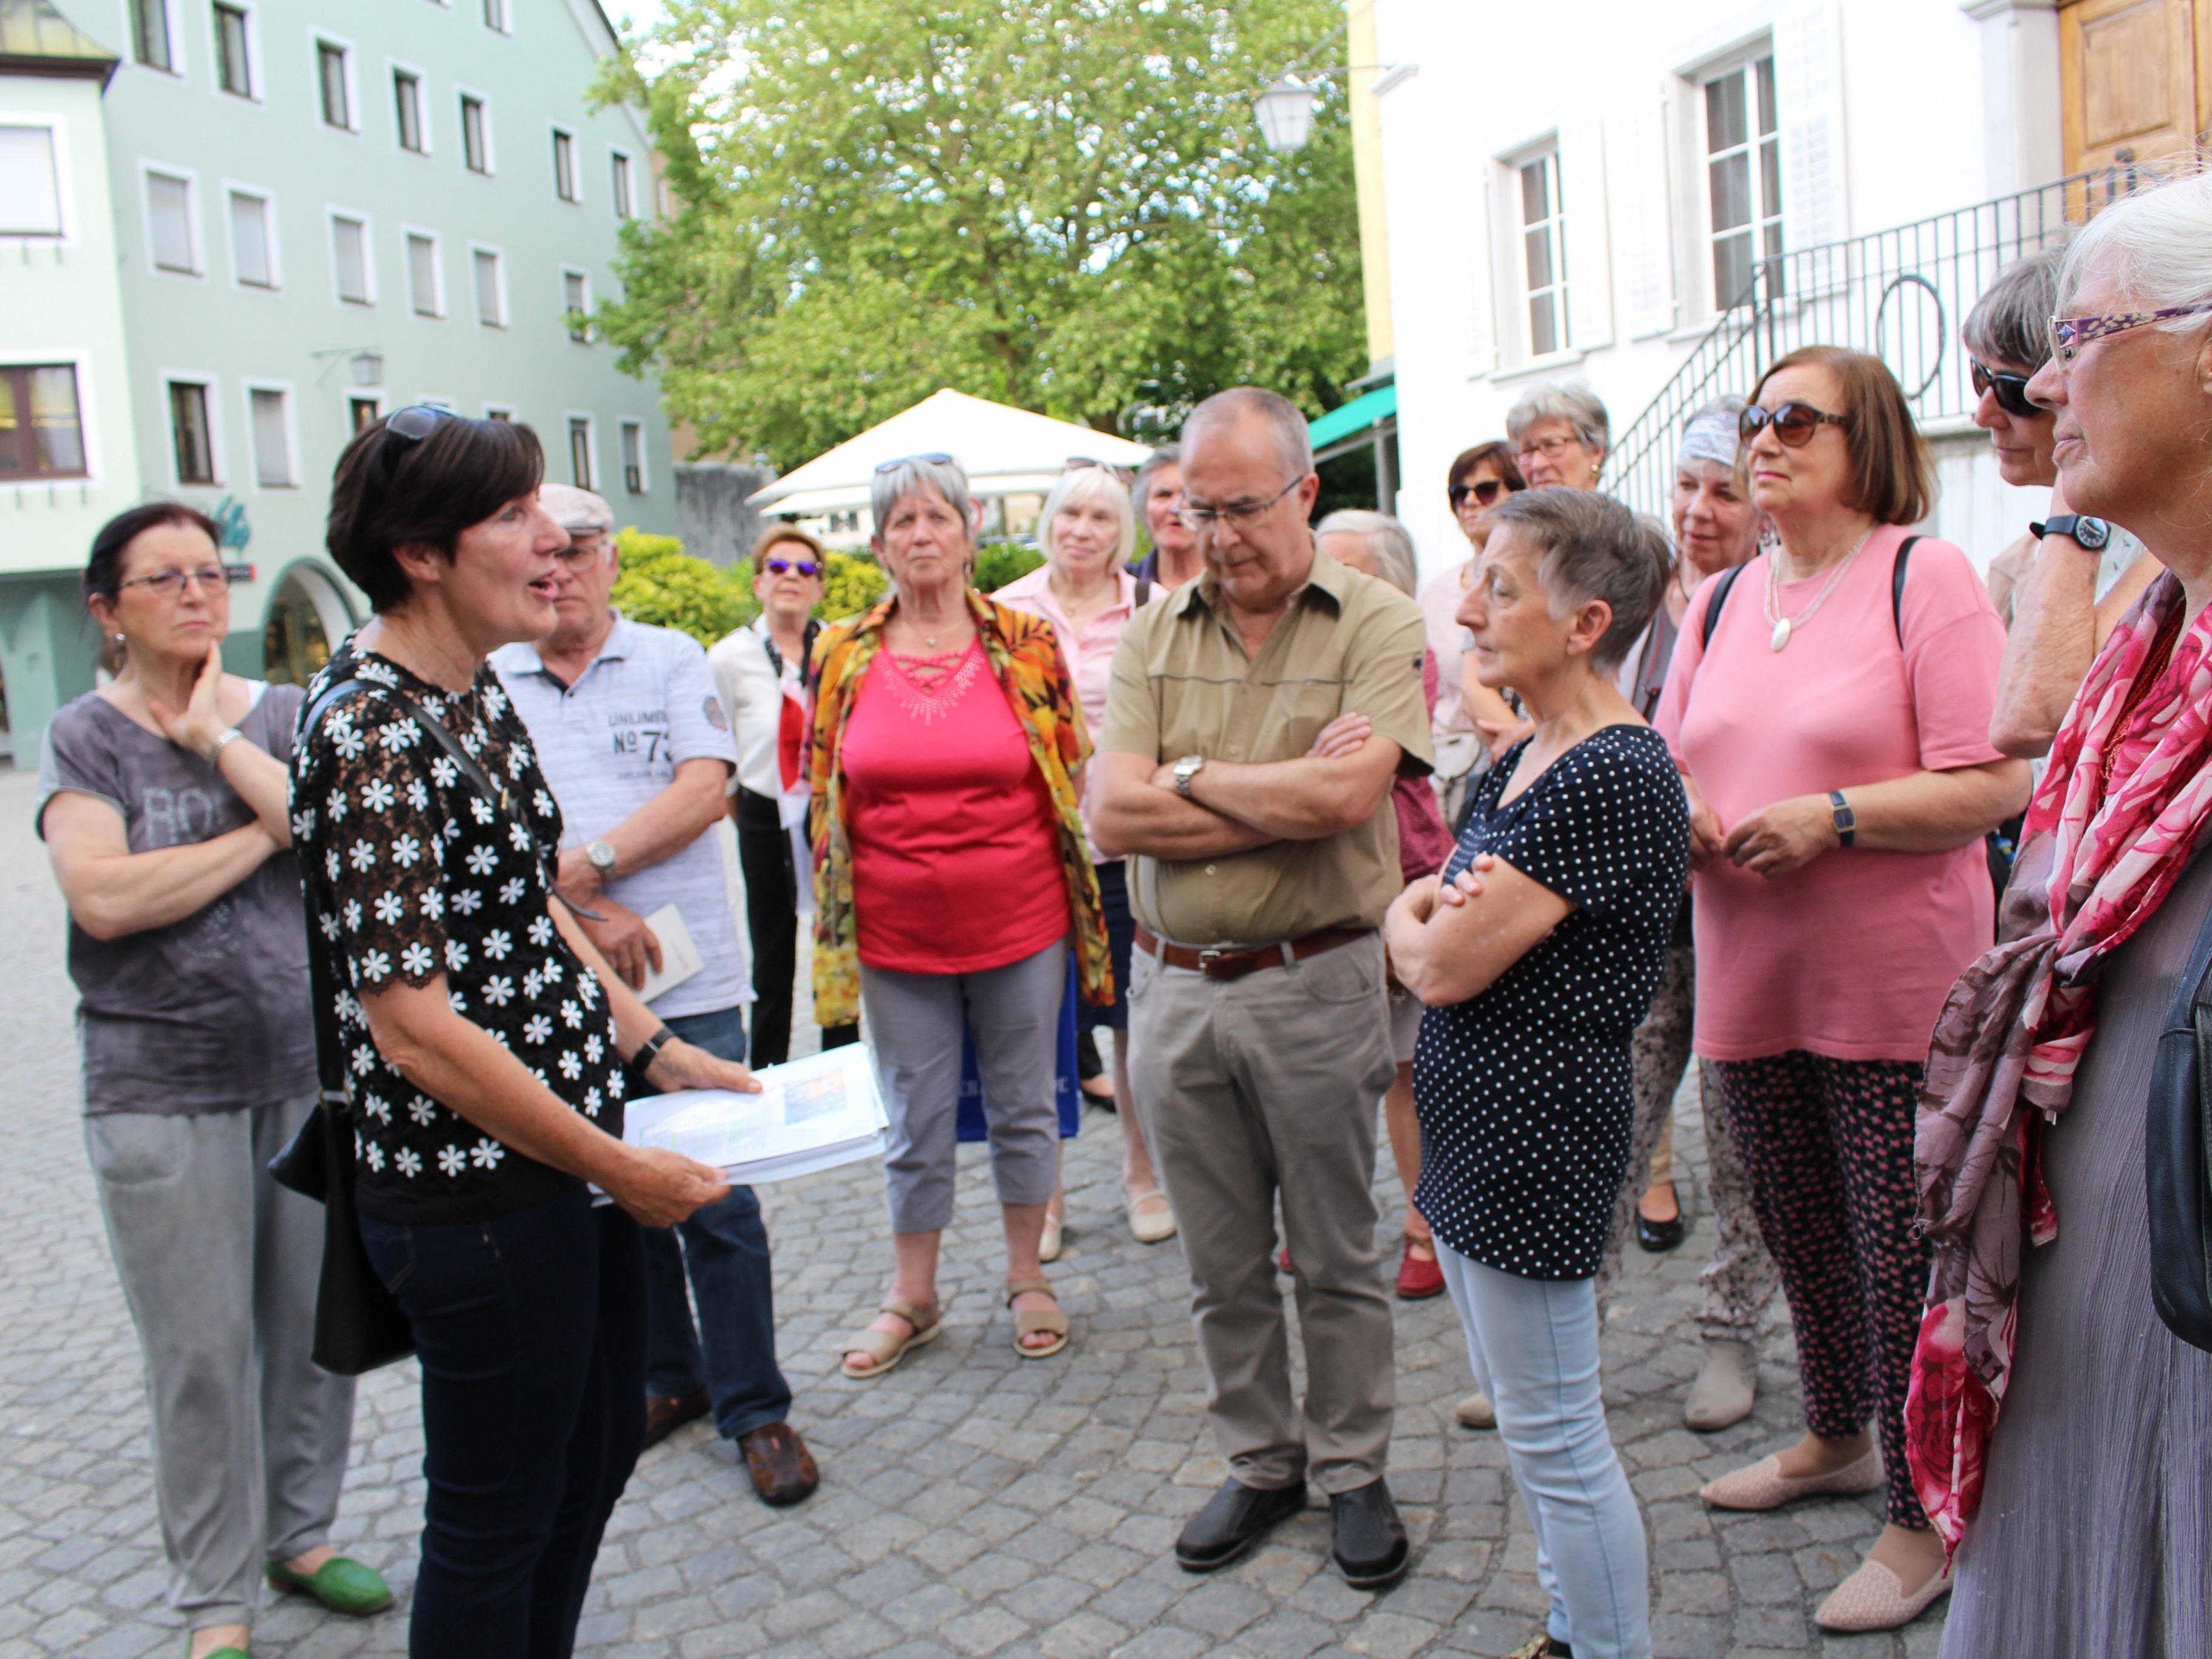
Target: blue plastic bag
[970, 1123]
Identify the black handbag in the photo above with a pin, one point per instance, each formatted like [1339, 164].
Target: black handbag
[359, 1324]
[2177, 1156]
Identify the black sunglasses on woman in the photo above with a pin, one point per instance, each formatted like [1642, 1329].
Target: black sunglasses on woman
[1794, 423]
[1486, 493]
[2011, 390]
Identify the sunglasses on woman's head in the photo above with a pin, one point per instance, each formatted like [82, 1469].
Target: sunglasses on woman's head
[1794, 423]
[1484, 493]
[2011, 390]
[405, 429]
[1077, 463]
[785, 567]
[935, 457]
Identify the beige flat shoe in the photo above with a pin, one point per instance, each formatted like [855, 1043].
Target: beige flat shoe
[885, 1350]
[1763, 1486]
[1874, 1598]
[1151, 1218]
[1048, 1246]
[1051, 1319]
[1726, 1386]
[1475, 1411]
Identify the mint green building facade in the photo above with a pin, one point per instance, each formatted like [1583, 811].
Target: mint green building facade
[271, 221]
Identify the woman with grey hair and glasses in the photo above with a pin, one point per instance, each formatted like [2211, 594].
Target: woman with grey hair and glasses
[1561, 436]
[945, 743]
[2063, 584]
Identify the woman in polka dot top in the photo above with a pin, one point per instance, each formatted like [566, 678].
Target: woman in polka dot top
[1537, 952]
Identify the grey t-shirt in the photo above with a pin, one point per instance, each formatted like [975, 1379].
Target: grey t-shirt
[207, 1014]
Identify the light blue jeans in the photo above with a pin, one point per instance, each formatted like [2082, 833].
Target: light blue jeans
[1533, 1345]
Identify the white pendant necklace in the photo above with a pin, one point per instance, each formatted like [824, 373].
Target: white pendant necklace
[1785, 626]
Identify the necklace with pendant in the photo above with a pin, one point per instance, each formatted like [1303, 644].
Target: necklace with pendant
[1785, 626]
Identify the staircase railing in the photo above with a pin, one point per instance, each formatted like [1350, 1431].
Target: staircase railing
[1900, 294]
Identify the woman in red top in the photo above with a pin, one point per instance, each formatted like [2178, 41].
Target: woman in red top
[953, 872]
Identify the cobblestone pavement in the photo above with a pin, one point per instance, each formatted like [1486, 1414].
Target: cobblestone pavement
[972, 1503]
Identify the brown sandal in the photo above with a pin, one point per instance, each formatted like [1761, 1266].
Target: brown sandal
[1050, 1320]
[885, 1350]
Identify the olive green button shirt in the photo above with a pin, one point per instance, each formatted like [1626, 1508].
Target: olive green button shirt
[1184, 685]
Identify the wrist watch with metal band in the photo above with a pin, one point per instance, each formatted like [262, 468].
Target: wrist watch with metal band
[601, 855]
[1847, 821]
[2092, 533]
[649, 1050]
[1185, 770]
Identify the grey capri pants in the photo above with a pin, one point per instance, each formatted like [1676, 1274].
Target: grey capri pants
[915, 1024]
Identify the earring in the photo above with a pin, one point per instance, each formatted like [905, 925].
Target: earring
[119, 640]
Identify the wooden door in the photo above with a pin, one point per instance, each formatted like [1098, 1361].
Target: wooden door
[2131, 78]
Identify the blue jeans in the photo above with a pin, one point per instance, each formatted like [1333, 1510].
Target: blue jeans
[725, 1248]
[529, 1331]
[1533, 1345]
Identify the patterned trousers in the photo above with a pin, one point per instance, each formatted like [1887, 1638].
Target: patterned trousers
[1828, 1146]
[1740, 1281]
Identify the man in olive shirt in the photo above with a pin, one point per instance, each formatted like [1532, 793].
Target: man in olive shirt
[1257, 719]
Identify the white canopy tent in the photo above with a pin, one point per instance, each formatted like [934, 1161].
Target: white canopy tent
[1004, 451]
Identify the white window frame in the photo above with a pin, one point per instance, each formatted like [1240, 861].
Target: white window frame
[482, 102]
[331, 214]
[210, 385]
[54, 125]
[555, 136]
[79, 360]
[355, 395]
[191, 179]
[499, 276]
[254, 79]
[568, 420]
[501, 412]
[624, 425]
[505, 9]
[1741, 61]
[267, 197]
[1521, 331]
[317, 39]
[394, 68]
[438, 297]
[621, 183]
[438, 400]
[173, 13]
[283, 389]
[587, 336]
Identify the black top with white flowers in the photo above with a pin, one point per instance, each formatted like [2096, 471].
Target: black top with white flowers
[410, 873]
[1523, 1090]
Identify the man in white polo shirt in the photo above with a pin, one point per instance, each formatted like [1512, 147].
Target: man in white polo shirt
[634, 743]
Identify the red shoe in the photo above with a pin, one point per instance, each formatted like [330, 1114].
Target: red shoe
[1419, 1277]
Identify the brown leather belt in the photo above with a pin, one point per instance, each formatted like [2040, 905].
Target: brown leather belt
[1235, 965]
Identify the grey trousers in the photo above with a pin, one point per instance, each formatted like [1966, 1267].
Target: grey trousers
[1740, 1281]
[219, 1265]
[1254, 1090]
[914, 1024]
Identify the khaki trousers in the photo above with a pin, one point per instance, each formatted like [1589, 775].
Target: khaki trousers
[1253, 1089]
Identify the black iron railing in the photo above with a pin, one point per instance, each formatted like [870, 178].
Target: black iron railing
[1900, 294]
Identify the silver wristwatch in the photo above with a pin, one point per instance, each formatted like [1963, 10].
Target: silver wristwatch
[601, 855]
[1185, 770]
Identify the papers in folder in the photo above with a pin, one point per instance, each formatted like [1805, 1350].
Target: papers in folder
[813, 1114]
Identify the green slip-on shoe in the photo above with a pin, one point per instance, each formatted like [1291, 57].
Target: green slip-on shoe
[227, 1653]
[341, 1584]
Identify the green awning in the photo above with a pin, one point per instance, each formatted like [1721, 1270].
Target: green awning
[1369, 409]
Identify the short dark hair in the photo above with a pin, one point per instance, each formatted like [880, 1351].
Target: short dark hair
[1893, 478]
[1589, 547]
[1499, 453]
[460, 475]
[103, 571]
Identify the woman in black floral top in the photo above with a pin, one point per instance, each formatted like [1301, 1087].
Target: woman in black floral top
[483, 1037]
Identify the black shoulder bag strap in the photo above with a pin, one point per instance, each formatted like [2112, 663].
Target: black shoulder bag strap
[2177, 1156]
[1897, 589]
[1721, 584]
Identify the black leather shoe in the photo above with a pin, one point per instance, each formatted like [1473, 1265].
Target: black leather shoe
[1371, 1547]
[1234, 1519]
[1661, 1236]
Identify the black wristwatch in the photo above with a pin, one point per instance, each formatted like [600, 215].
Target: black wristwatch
[2092, 533]
[649, 1050]
[1847, 822]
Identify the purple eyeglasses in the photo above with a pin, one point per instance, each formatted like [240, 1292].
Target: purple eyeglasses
[783, 567]
[2069, 334]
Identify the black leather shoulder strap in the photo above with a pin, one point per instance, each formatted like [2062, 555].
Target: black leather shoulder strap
[1721, 584]
[1897, 589]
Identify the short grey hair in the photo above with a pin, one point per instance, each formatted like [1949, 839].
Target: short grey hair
[914, 475]
[1571, 401]
[2154, 245]
[1088, 483]
[1165, 456]
[1279, 414]
[1589, 547]
[2009, 327]
[1387, 541]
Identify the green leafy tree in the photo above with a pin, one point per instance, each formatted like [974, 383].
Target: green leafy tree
[661, 584]
[1063, 205]
[851, 584]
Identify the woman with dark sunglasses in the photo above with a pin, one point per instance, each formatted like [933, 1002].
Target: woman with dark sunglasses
[1829, 704]
[2059, 594]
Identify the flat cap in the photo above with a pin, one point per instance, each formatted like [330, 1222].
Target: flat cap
[579, 512]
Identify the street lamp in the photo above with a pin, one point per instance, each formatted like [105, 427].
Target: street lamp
[1285, 112]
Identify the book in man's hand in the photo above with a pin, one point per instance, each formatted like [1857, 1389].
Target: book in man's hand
[810, 1114]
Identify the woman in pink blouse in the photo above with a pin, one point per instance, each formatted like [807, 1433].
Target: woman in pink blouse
[1831, 723]
[1088, 530]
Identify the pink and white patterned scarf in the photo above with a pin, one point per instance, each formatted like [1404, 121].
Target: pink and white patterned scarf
[2127, 793]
